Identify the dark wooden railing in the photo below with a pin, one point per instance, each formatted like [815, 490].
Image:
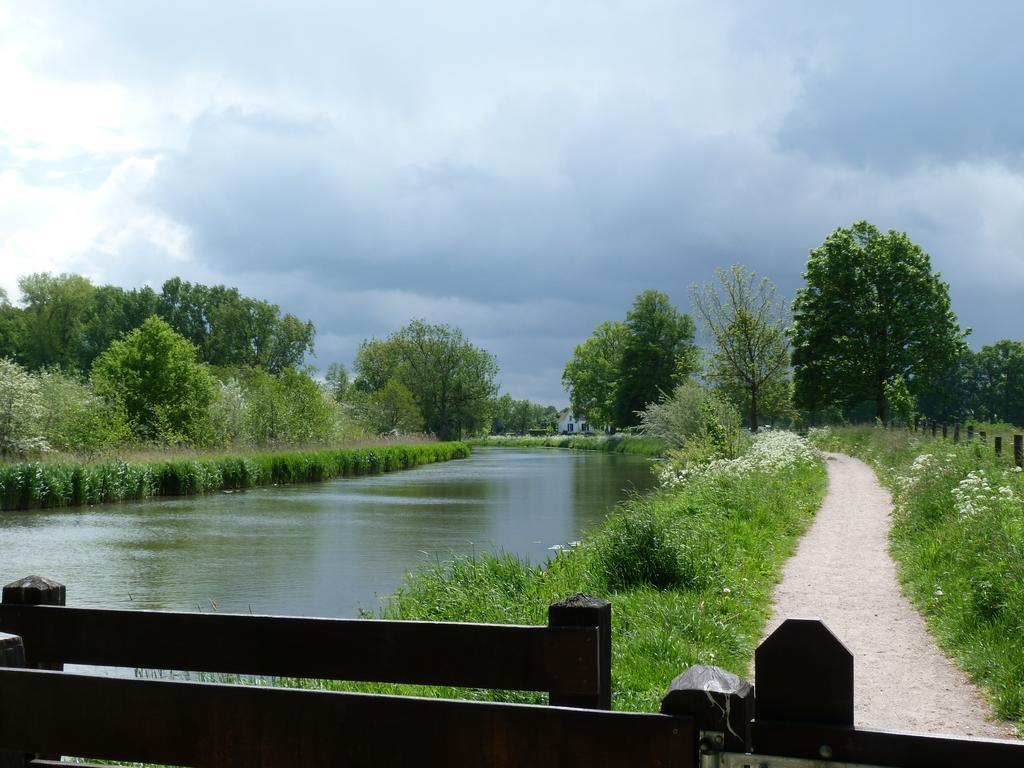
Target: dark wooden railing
[803, 714]
[570, 658]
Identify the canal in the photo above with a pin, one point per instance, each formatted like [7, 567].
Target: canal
[319, 549]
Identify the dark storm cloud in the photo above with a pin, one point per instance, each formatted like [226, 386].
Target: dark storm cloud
[524, 172]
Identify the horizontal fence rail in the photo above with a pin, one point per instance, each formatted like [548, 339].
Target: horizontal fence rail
[224, 726]
[536, 658]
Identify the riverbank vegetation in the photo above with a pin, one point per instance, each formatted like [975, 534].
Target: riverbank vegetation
[958, 538]
[638, 445]
[689, 569]
[48, 484]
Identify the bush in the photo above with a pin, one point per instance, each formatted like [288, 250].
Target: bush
[644, 545]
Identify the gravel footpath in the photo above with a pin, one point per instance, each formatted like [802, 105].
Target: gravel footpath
[842, 573]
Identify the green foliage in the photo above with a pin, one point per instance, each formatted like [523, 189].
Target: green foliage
[749, 329]
[32, 485]
[716, 545]
[451, 381]
[645, 545]
[521, 416]
[289, 408]
[987, 385]
[21, 411]
[234, 330]
[872, 310]
[623, 367]
[640, 446]
[901, 402]
[337, 380]
[958, 539]
[76, 419]
[153, 376]
[592, 376]
[390, 409]
[658, 354]
[54, 319]
[685, 418]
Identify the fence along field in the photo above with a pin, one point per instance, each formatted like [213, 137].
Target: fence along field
[709, 718]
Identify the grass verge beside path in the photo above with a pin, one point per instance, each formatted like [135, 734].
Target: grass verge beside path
[35, 485]
[958, 540]
[640, 446]
[690, 572]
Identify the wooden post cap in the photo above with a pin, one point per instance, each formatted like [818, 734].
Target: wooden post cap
[34, 590]
[718, 700]
[804, 674]
[12, 651]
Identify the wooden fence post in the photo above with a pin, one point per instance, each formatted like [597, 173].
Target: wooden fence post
[1018, 450]
[721, 703]
[998, 442]
[943, 431]
[12, 654]
[35, 590]
[935, 428]
[956, 432]
[983, 436]
[585, 611]
[804, 675]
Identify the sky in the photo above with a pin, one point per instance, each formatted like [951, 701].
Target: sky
[521, 170]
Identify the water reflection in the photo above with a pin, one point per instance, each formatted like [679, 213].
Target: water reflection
[320, 549]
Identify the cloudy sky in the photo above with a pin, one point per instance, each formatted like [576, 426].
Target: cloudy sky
[519, 169]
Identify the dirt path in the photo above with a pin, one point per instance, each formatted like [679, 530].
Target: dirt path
[842, 573]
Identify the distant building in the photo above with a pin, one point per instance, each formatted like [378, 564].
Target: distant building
[571, 424]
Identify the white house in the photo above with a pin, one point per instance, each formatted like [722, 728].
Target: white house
[571, 424]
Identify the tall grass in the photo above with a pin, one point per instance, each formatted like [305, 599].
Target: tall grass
[32, 485]
[634, 444]
[958, 539]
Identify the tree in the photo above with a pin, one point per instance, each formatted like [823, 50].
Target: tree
[337, 380]
[451, 381]
[748, 328]
[592, 376]
[658, 354]
[152, 374]
[997, 382]
[21, 411]
[54, 319]
[872, 310]
[11, 328]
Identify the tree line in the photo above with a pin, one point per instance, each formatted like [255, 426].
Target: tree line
[871, 334]
[89, 369]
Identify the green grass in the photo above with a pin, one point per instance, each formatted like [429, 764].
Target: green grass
[959, 545]
[35, 485]
[634, 444]
[689, 571]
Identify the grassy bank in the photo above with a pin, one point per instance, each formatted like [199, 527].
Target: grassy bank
[640, 446]
[958, 538]
[689, 570]
[32, 485]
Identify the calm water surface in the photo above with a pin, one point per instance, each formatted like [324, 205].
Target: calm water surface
[322, 549]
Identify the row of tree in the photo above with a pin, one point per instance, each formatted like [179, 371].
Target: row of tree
[871, 334]
[67, 322]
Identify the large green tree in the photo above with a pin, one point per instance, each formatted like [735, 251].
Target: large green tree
[748, 328]
[658, 355]
[153, 376]
[872, 309]
[452, 381]
[54, 319]
[592, 375]
[996, 382]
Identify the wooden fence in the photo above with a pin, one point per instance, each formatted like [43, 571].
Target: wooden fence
[982, 436]
[804, 705]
